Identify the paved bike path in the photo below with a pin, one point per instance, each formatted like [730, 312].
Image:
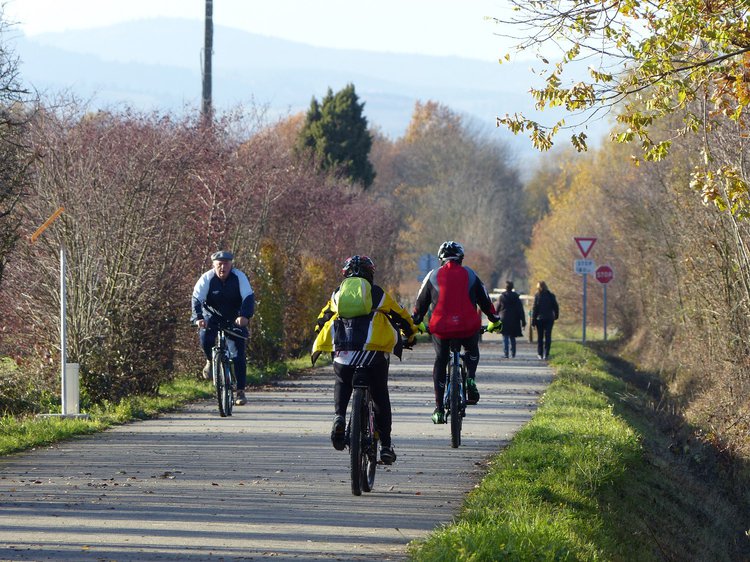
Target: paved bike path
[265, 483]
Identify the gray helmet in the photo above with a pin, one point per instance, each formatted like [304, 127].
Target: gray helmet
[450, 250]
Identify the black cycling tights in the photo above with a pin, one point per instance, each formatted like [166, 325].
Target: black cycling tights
[378, 377]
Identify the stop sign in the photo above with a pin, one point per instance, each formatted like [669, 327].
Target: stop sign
[604, 274]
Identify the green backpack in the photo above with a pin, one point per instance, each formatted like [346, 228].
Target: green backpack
[354, 297]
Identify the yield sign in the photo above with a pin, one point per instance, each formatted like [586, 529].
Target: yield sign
[584, 244]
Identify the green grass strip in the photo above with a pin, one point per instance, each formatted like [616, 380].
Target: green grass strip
[23, 433]
[541, 498]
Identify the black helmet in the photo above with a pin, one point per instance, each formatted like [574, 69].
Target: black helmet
[450, 250]
[359, 266]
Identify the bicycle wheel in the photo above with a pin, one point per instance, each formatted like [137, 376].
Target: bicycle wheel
[224, 389]
[356, 441]
[455, 403]
[370, 461]
[228, 389]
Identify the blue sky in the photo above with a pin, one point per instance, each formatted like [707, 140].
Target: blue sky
[434, 27]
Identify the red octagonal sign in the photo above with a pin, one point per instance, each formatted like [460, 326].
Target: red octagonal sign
[604, 274]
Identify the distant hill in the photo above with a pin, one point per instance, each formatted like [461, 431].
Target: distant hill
[156, 64]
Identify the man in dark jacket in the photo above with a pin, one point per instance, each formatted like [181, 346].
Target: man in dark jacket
[228, 291]
[510, 311]
[543, 316]
[452, 292]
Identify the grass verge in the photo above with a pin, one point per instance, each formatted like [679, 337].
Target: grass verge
[22, 433]
[592, 477]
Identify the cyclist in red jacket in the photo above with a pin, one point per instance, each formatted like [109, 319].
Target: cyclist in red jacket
[452, 292]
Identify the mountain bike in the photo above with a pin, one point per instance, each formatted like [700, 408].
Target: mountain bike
[454, 398]
[222, 365]
[363, 436]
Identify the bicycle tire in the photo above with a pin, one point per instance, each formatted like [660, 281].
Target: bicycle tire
[216, 378]
[228, 389]
[455, 403]
[370, 461]
[223, 390]
[356, 449]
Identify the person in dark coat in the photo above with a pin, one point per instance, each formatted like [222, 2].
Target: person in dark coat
[510, 311]
[543, 315]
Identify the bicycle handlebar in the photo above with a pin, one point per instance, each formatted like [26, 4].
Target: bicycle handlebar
[224, 323]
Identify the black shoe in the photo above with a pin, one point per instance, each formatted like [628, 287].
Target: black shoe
[387, 455]
[338, 433]
[240, 399]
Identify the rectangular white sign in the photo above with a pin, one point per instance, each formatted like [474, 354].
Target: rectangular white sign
[584, 266]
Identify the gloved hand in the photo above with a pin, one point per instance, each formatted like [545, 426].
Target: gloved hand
[408, 340]
[422, 327]
[495, 326]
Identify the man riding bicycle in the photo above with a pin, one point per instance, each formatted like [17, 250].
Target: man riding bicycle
[452, 292]
[228, 291]
[360, 326]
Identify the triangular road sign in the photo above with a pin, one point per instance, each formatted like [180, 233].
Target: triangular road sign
[584, 244]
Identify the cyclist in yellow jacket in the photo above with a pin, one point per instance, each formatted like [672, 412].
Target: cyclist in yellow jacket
[361, 326]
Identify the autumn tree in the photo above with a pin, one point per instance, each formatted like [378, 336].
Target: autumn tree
[653, 59]
[147, 198]
[453, 182]
[678, 300]
[336, 134]
[675, 76]
[274, 204]
[128, 238]
[15, 153]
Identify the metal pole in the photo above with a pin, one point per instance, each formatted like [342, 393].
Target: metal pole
[207, 98]
[605, 312]
[584, 309]
[63, 332]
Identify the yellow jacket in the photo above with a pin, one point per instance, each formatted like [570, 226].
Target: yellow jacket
[377, 331]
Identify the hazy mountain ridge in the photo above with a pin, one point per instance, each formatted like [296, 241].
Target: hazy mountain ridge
[156, 64]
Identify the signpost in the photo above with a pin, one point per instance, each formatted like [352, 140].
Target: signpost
[69, 387]
[604, 275]
[584, 267]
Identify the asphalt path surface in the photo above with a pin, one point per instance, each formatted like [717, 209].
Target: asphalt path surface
[265, 483]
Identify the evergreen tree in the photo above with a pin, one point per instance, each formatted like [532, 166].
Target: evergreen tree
[335, 131]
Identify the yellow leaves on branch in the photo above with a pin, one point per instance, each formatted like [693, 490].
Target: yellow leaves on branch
[724, 187]
[673, 51]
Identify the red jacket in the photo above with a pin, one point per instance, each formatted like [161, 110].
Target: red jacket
[453, 292]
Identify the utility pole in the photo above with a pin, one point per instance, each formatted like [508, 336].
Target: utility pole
[208, 50]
